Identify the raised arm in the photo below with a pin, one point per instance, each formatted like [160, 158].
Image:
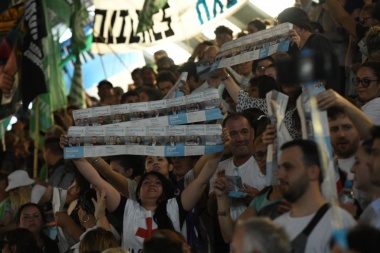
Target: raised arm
[115, 179]
[232, 87]
[362, 122]
[340, 15]
[91, 175]
[194, 190]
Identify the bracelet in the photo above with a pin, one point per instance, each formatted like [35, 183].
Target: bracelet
[96, 160]
[101, 216]
[225, 78]
[224, 213]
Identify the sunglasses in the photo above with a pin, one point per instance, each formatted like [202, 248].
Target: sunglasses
[365, 81]
[363, 20]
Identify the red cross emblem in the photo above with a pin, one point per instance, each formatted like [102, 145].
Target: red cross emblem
[146, 233]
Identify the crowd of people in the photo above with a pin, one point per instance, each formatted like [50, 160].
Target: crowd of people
[220, 202]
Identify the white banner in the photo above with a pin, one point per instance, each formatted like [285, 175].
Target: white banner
[116, 22]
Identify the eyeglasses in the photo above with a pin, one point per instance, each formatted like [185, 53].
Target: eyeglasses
[365, 81]
[261, 68]
[363, 20]
[260, 155]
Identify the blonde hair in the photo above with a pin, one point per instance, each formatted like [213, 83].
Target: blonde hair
[20, 196]
[97, 240]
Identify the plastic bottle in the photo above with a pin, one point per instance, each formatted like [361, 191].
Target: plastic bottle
[347, 194]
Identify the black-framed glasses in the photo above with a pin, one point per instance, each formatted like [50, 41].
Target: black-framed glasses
[365, 81]
[363, 20]
[260, 155]
[261, 68]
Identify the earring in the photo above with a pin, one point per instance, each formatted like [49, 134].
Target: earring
[84, 221]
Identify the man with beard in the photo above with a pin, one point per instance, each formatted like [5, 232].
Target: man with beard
[309, 223]
[345, 141]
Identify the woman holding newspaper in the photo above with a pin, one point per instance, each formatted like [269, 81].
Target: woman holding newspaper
[155, 207]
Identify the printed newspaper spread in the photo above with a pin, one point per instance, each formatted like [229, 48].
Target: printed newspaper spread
[247, 48]
[150, 128]
[176, 111]
[181, 140]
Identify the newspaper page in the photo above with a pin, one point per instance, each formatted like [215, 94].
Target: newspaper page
[247, 48]
[193, 108]
[315, 126]
[169, 141]
[276, 103]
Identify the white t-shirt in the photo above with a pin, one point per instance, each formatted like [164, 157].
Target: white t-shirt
[372, 109]
[319, 238]
[250, 174]
[346, 165]
[138, 222]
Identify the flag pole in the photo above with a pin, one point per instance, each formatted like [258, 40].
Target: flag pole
[36, 139]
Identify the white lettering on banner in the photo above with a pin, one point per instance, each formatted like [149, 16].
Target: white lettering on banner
[31, 17]
[34, 58]
[117, 27]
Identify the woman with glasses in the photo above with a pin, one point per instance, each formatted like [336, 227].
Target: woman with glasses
[368, 17]
[367, 84]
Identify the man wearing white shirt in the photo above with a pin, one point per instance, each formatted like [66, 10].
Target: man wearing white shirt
[241, 164]
[309, 224]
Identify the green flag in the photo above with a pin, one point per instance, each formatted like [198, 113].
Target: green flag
[78, 43]
[42, 112]
[150, 8]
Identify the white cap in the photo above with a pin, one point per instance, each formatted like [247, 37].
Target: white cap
[17, 179]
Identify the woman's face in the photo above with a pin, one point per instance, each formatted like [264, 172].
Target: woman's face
[254, 91]
[31, 219]
[367, 19]
[373, 90]
[159, 164]
[151, 188]
[260, 156]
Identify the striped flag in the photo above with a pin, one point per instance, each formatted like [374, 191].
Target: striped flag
[77, 96]
[78, 41]
[150, 8]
